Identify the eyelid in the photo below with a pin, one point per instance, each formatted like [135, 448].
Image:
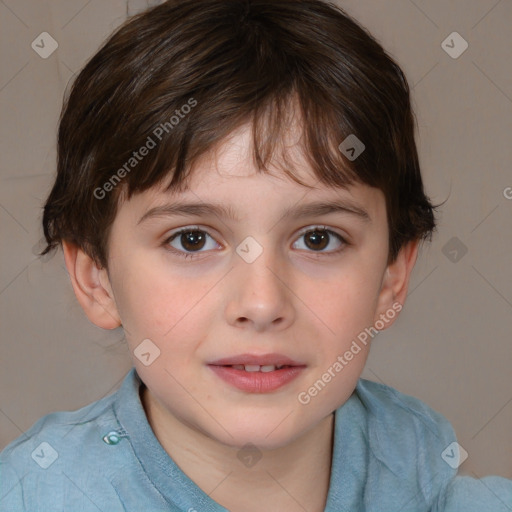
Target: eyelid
[320, 227]
[207, 230]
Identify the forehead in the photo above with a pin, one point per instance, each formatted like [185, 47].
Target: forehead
[227, 176]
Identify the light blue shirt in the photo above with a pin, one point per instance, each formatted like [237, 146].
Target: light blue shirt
[391, 453]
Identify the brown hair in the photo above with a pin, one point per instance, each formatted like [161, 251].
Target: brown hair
[230, 62]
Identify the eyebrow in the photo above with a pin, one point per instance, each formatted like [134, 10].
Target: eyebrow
[307, 210]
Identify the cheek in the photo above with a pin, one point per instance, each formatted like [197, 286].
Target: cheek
[144, 296]
[155, 300]
[347, 303]
[346, 308]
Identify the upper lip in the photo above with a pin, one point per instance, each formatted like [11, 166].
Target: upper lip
[262, 360]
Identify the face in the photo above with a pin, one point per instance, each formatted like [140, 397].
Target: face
[207, 287]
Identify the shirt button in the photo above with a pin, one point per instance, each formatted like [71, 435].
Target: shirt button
[112, 437]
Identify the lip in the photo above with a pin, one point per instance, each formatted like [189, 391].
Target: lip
[262, 360]
[257, 382]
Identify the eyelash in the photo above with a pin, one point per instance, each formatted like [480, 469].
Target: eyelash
[192, 255]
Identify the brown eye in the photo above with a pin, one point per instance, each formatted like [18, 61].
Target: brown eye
[189, 242]
[318, 239]
[192, 240]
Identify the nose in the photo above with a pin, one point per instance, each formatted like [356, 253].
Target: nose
[260, 295]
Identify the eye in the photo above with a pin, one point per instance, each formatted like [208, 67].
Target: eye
[191, 239]
[319, 238]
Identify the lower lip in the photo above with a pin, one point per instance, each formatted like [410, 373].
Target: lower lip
[257, 382]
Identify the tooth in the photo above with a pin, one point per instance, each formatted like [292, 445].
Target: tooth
[268, 368]
[238, 367]
[252, 367]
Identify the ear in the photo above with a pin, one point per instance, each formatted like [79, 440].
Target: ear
[92, 287]
[395, 283]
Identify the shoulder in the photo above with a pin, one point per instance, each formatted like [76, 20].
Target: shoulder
[395, 414]
[411, 443]
[63, 428]
[59, 447]
[414, 447]
[488, 494]
[388, 402]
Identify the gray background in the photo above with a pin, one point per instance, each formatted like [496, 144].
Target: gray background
[451, 344]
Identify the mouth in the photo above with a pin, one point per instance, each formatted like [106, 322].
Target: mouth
[261, 360]
[258, 368]
[257, 374]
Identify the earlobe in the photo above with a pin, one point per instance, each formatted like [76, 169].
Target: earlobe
[396, 281]
[92, 287]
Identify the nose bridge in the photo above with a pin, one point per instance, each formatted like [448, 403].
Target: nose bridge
[259, 271]
[259, 294]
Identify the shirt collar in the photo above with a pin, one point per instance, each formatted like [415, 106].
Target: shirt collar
[347, 468]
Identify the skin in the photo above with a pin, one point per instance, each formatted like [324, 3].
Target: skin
[292, 299]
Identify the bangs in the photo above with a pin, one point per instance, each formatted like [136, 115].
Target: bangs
[174, 82]
[275, 125]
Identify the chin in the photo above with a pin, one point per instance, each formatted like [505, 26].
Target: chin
[268, 434]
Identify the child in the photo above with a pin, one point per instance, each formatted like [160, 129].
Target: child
[238, 187]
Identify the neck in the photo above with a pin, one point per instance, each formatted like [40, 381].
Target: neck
[294, 477]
